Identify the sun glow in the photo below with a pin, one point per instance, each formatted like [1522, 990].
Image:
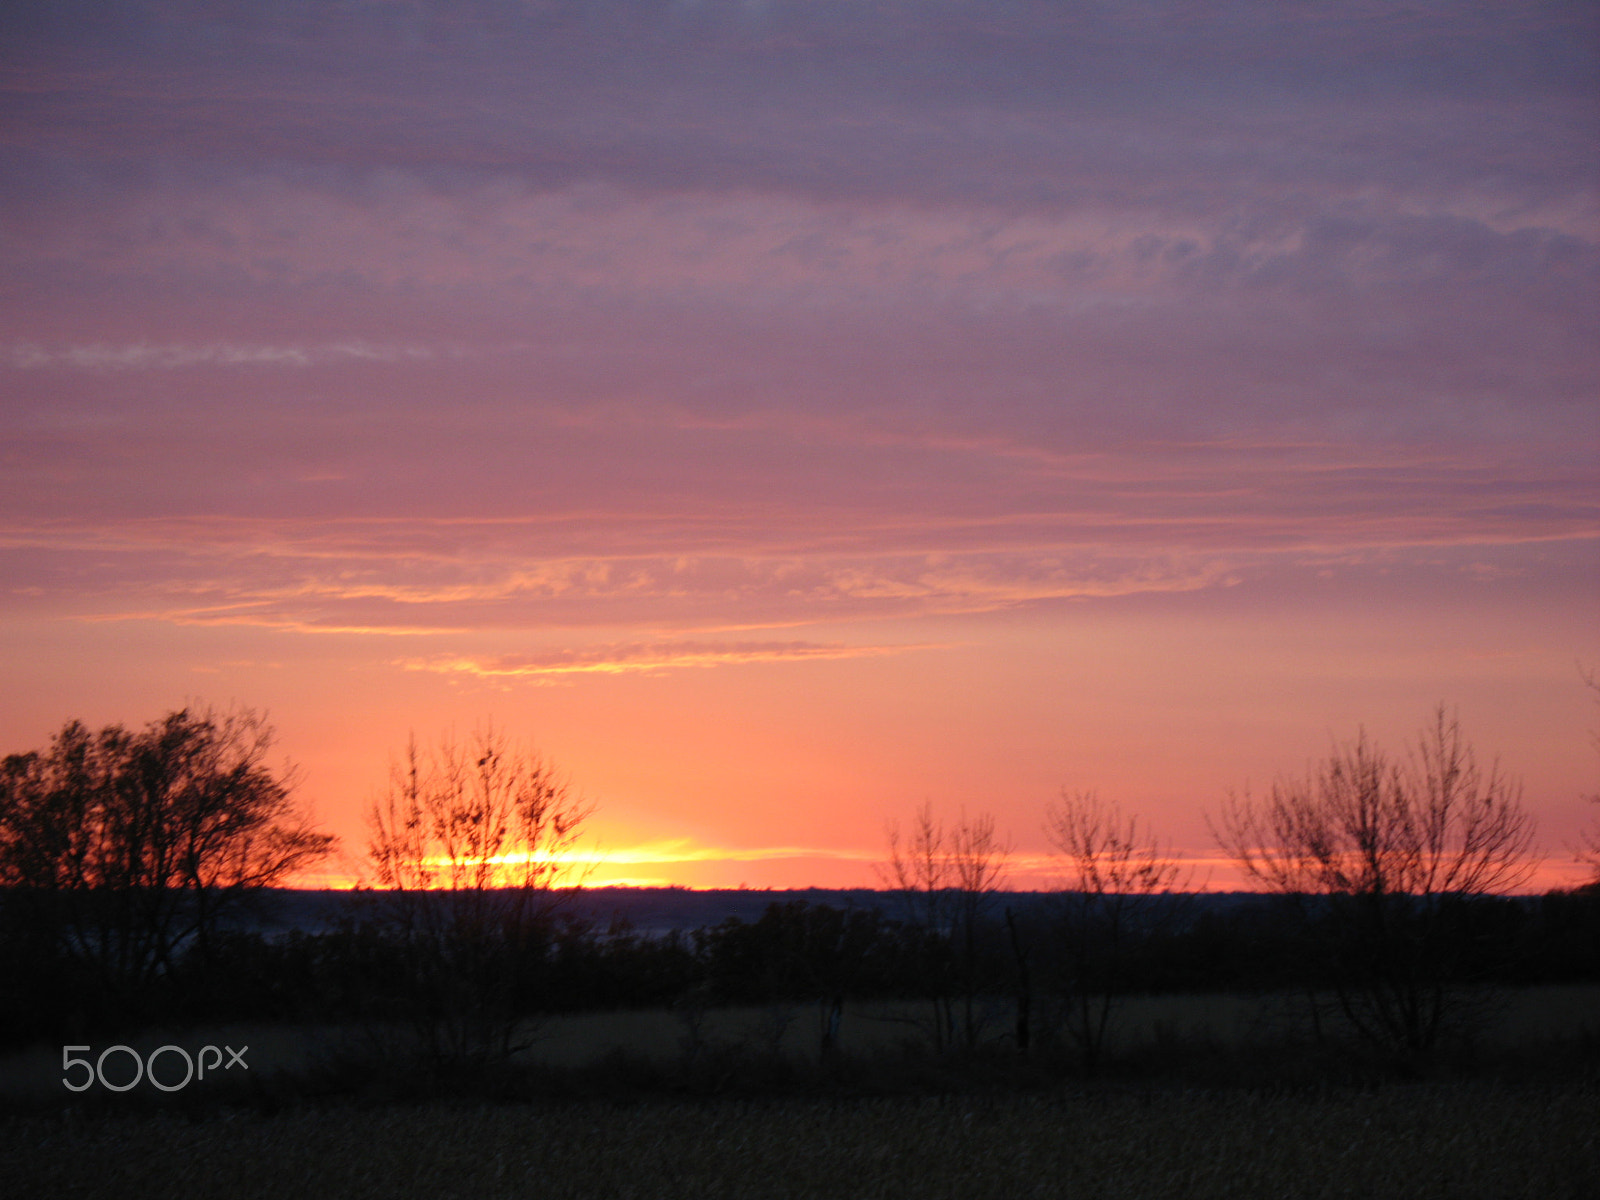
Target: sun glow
[597, 866]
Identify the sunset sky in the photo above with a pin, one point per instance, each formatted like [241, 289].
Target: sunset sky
[787, 413]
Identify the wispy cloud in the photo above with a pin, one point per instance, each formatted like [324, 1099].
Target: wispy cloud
[146, 356]
[1048, 527]
[553, 666]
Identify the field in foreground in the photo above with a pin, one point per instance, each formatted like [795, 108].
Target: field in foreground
[1453, 1140]
[1551, 1031]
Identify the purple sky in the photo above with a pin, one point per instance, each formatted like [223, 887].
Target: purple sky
[790, 412]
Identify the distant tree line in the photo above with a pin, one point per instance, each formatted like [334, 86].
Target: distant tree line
[806, 954]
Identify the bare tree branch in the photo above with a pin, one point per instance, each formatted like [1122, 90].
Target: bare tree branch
[1119, 883]
[1395, 852]
[947, 878]
[475, 840]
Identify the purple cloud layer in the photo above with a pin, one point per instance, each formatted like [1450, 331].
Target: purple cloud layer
[711, 315]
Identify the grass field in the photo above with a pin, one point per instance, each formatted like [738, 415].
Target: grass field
[1150, 1030]
[1457, 1141]
[873, 1124]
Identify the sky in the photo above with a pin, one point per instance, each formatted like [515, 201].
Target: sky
[784, 415]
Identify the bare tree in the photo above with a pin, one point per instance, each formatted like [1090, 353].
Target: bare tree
[947, 877]
[1120, 885]
[919, 869]
[474, 841]
[1384, 860]
[1588, 849]
[129, 846]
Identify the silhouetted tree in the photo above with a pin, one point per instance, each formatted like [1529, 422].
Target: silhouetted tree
[947, 878]
[1589, 839]
[1119, 889]
[1382, 861]
[473, 840]
[122, 849]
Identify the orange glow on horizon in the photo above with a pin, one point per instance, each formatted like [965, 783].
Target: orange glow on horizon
[850, 870]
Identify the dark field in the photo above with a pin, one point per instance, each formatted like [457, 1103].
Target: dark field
[616, 1105]
[1400, 1140]
[1548, 1035]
